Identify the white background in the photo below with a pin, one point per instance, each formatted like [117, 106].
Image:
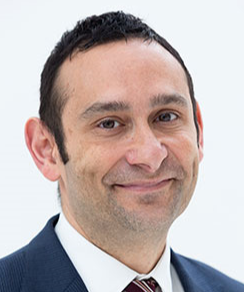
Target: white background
[209, 36]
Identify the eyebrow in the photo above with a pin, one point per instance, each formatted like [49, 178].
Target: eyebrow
[103, 107]
[162, 99]
[116, 106]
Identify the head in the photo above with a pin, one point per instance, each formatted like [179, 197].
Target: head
[120, 130]
[89, 33]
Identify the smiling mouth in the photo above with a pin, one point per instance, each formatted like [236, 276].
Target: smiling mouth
[144, 186]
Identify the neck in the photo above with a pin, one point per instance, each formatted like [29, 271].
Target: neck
[142, 258]
[140, 251]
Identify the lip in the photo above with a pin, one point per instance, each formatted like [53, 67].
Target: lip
[144, 186]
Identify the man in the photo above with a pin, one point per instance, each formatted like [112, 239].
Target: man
[121, 132]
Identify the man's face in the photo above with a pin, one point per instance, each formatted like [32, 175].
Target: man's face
[130, 136]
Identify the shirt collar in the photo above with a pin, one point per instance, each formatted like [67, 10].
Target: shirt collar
[110, 274]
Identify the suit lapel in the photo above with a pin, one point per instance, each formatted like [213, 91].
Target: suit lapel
[49, 268]
[191, 280]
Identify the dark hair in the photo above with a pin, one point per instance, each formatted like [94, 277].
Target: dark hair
[90, 32]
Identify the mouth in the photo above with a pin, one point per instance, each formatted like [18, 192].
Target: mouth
[144, 186]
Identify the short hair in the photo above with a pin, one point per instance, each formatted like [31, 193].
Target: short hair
[88, 33]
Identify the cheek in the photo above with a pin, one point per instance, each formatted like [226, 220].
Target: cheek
[184, 148]
[93, 161]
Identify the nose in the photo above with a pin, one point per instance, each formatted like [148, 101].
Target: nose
[146, 150]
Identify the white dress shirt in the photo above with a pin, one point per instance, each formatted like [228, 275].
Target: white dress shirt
[101, 272]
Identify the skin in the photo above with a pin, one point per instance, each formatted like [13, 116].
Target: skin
[132, 146]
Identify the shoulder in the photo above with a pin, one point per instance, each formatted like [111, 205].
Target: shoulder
[208, 276]
[12, 270]
[17, 268]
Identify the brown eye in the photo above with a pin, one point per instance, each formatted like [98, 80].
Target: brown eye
[166, 117]
[108, 124]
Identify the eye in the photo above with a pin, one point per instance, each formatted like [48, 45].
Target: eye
[108, 124]
[166, 117]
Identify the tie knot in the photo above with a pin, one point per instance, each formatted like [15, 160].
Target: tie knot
[151, 283]
[145, 285]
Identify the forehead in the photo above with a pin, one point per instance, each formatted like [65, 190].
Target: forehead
[131, 70]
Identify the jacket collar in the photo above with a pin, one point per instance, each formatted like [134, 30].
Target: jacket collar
[48, 266]
[196, 276]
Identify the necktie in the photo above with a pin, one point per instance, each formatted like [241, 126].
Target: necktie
[146, 285]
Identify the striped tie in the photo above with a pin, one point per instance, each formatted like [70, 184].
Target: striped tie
[146, 285]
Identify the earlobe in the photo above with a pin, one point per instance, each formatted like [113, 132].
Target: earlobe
[42, 148]
[200, 129]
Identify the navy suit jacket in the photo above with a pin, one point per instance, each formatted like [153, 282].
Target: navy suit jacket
[43, 266]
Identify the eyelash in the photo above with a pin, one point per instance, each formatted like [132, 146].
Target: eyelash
[107, 121]
[167, 113]
[114, 121]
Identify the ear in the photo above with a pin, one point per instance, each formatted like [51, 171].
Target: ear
[43, 148]
[200, 128]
